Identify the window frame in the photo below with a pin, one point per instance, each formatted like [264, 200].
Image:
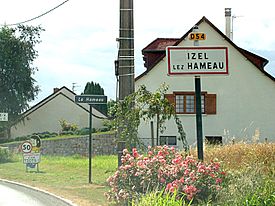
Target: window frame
[167, 140]
[185, 94]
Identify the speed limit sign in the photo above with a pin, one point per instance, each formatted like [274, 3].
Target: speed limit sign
[26, 147]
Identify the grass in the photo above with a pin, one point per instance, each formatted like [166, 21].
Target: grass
[66, 176]
[251, 171]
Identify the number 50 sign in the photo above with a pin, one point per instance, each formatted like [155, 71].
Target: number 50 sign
[26, 147]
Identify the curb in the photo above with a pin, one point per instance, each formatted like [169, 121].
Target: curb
[69, 202]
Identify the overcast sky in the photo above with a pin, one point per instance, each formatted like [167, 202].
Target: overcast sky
[79, 41]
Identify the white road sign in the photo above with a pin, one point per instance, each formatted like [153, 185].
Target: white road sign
[197, 60]
[26, 147]
[4, 117]
[31, 158]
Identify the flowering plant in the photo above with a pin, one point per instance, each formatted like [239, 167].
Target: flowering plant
[164, 168]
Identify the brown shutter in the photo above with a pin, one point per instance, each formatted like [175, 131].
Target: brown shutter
[171, 98]
[210, 104]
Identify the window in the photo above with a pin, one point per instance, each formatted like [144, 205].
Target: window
[185, 102]
[213, 140]
[168, 140]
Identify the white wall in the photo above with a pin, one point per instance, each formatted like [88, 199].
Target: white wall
[245, 97]
[46, 117]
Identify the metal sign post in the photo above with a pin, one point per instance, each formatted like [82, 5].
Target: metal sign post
[199, 117]
[91, 100]
[90, 143]
[198, 106]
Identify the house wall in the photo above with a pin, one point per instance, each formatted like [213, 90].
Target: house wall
[245, 97]
[46, 117]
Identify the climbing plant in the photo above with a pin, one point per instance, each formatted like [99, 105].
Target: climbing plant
[145, 105]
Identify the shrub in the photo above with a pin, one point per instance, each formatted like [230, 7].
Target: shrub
[5, 155]
[161, 199]
[164, 168]
[248, 188]
[66, 126]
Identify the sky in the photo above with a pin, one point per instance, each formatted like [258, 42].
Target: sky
[79, 42]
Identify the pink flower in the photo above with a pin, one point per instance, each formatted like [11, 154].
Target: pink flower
[162, 180]
[201, 168]
[218, 180]
[135, 153]
[190, 191]
[150, 153]
[177, 160]
[171, 187]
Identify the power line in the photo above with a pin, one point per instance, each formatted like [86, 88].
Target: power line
[37, 16]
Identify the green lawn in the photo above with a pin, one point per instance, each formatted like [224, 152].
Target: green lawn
[66, 176]
[250, 168]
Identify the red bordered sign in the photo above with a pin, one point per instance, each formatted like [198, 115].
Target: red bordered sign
[197, 60]
[26, 147]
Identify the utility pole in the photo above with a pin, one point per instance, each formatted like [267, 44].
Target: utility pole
[125, 66]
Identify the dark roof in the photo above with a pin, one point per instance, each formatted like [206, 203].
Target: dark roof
[160, 44]
[156, 51]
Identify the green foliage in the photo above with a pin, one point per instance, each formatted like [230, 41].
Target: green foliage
[67, 127]
[126, 119]
[96, 89]
[5, 155]
[264, 196]
[161, 199]
[248, 188]
[93, 88]
[145, 105]
[17, 53]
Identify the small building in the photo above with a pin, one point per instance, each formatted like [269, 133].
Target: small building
[45, 116]
[238, 104]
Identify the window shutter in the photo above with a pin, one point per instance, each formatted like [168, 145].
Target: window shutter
[171, 98]
[210, 104]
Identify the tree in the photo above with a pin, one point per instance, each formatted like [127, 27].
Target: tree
[17, 53]
[147, 106]
[96, 89]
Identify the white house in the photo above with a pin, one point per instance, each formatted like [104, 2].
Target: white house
[237, 103]
[45, 115]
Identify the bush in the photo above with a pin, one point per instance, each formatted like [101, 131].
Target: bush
[164, 168]
[161, 199]
[248, 188]
[5, 155]
[66, 126]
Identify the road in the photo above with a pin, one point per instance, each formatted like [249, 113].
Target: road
[14, 194]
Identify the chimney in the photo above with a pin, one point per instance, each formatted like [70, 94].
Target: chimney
[228, 22]
[55, 90]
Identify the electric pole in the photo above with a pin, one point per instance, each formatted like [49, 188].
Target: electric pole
[125, 63]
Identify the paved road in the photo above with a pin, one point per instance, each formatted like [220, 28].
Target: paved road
[17, 195]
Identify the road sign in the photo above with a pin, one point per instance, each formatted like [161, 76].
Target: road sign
[31, 158]
[197, 60]
[91, 99]
[26, 147]
[197, 36]
[4, 117]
